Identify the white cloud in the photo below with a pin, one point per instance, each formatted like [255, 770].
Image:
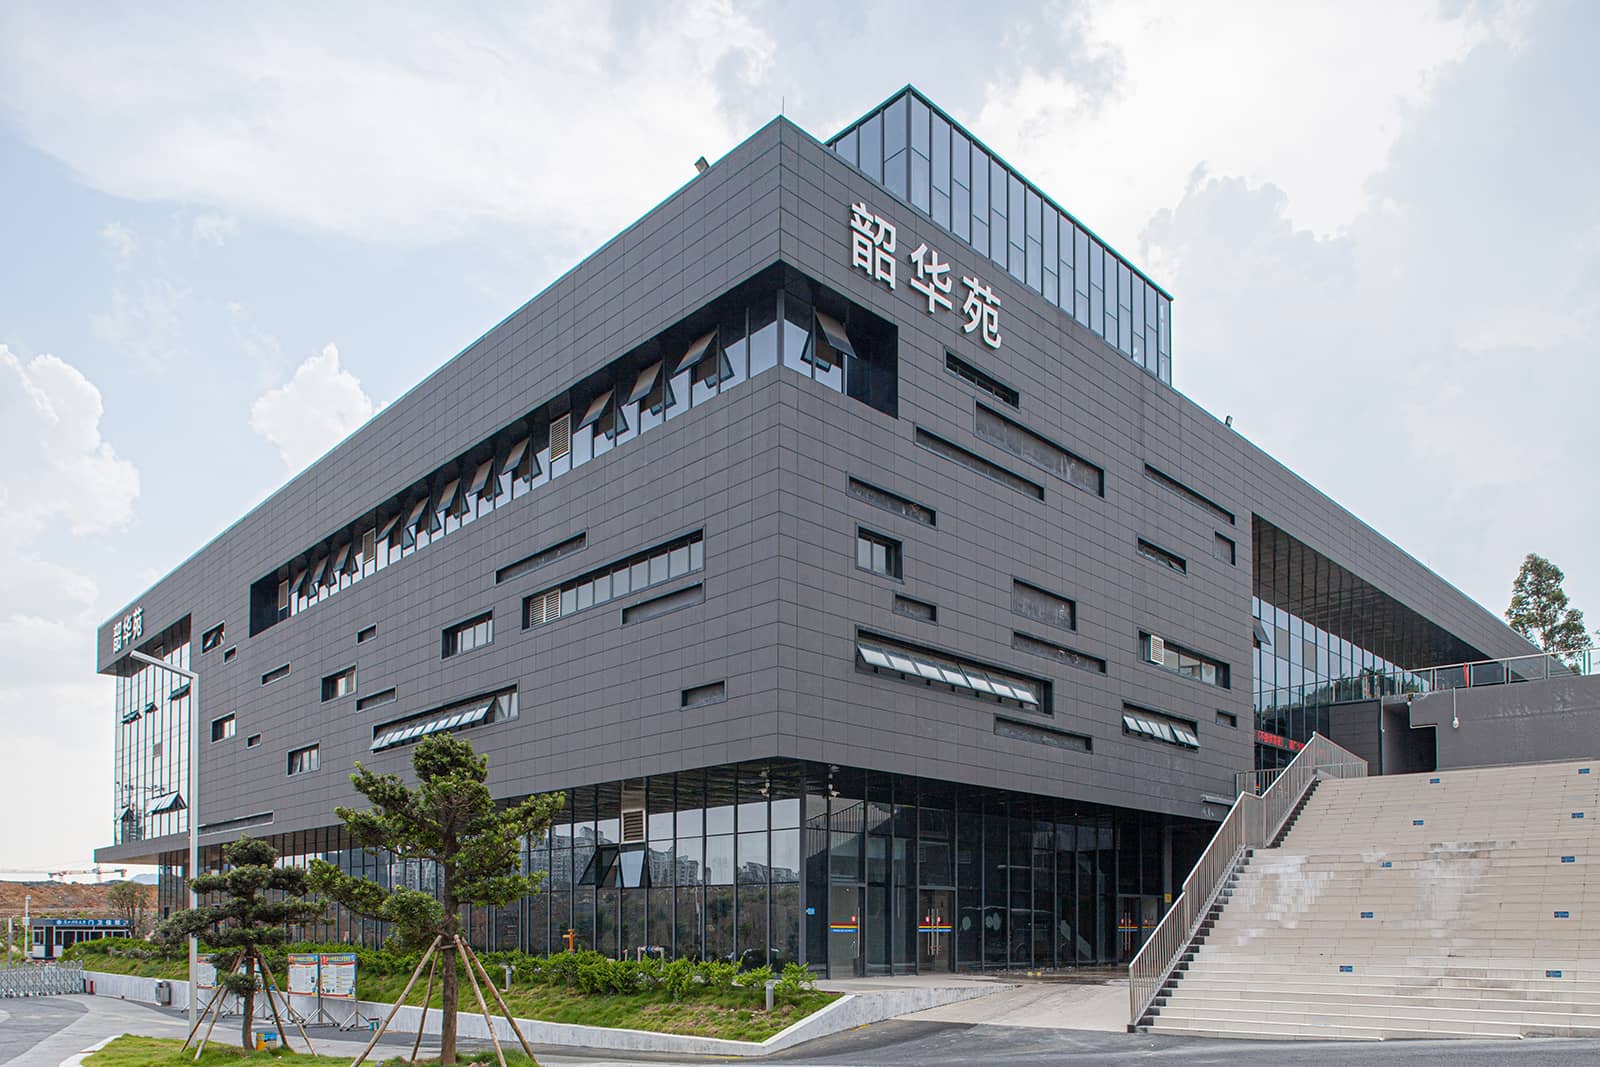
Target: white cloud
[119, 238]
[313, 411]
[213, 228]
[145, 320]
[1431, 365]
[56, 465]
[415, 127]
[1307, 96]
[61, 483]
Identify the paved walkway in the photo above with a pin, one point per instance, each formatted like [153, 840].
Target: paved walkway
[1098, 1006]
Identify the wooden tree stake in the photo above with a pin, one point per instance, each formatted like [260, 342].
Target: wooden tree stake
[512, 1019]
[271, 1003]
[427, 998]
[426, 956]
[483, 1005]
[218, 1002]
[202, 1018]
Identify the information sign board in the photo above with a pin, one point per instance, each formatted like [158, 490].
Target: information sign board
[206, 974]
[338, 980]
[303, 974]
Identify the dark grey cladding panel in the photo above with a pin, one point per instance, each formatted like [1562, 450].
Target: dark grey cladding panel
[765, 473]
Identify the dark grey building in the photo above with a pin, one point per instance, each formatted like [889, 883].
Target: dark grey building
[834, 537]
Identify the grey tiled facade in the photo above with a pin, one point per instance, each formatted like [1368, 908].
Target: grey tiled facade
[764, 472]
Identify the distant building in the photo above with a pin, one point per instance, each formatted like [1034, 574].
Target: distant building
[51, 937]
[835, 538]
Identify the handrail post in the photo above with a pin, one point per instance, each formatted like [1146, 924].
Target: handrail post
[1252, 822]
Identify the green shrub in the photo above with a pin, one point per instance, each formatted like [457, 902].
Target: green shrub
[719, 974]
[678, 978]
[755, 977]
[796, 981]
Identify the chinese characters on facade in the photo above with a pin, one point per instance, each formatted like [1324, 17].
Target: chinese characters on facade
[872, 251]
[127, 630]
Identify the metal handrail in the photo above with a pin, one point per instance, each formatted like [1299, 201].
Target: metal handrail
[1252, 822]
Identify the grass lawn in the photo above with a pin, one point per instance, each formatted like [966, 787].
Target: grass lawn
[129, 1051]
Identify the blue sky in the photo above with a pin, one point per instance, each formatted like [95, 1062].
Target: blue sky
[229, 235]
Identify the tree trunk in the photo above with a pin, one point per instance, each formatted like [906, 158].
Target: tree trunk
[450, 993]
[249, 1006]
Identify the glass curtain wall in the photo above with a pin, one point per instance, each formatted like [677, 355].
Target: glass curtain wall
[930, 162]
[848, 871]
[153, 707]
[1324, 636]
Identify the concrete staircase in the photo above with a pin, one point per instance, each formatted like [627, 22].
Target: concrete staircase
[1457, 904]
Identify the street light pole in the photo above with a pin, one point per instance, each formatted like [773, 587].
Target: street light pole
[194, 807]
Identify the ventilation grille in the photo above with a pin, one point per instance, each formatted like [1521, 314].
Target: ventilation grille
[543, 609]
[560, 436]
[1158, 650]
[632, 826]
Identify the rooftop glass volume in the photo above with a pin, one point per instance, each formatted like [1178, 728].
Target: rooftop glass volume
[929, 161]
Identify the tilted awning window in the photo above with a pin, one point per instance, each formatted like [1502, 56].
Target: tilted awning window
[1159, 730]
[644, 383]
[337, 568]
[597, 407]
[519, 457]
[166, 802]
[399, 734]
[181, 691]
[388, 527]
[833, 330]
[696, 352]
[483, 479]
[317, 570]
[943, 671]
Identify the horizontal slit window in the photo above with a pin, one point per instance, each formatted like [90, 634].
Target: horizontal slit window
[382, 696]
[912, 608]
[1193, 496]
[969, 677]
[478, 711]
[882, 498]
[1060, 653]
[1163, 653]
[975, 377]
[1017, 730]
[701, 695]
[528, 564]
[274, 674]
[1045, 454]
[1040, 605]
[367, 634]
[652, 567]
[1157, 726]
[977, 464]
[666, 604]
[1157, 554]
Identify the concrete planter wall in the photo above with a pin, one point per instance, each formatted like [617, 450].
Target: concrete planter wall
[850, 1010]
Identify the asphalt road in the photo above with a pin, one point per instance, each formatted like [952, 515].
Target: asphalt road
[26, 1021]
[32, 1035]
[917, 1044]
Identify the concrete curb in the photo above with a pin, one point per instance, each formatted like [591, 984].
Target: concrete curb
[77, 1061]
[849, 1011]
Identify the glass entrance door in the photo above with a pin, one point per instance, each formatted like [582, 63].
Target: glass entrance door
[934, 928]
[844, 931]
